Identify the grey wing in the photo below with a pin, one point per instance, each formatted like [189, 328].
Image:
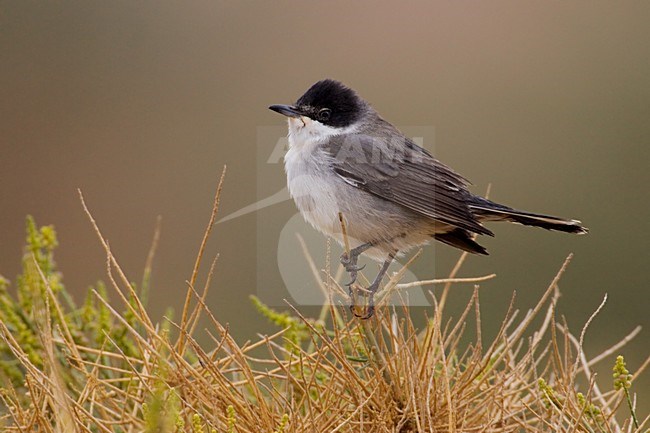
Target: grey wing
[406, 174]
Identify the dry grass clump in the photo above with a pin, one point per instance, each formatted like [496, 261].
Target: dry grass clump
[103, 368]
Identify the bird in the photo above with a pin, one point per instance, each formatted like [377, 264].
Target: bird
[345, 160]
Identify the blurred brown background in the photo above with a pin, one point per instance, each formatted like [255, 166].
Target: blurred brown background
[140, 104]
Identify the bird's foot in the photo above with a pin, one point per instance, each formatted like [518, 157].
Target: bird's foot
[349, 262]
[354, 272]
[370, 306]
[349, 259]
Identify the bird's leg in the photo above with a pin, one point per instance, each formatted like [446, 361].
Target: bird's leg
[349, 261]
[372, 289]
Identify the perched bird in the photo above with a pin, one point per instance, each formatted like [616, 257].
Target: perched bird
[345, 159]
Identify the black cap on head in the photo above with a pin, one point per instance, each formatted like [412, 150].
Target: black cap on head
[331, 103]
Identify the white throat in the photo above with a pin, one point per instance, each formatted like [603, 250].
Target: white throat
[305, 132]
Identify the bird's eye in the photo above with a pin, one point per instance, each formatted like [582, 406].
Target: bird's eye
[324, 114]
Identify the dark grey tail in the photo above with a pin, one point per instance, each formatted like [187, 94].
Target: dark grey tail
[461, 238]
[486, 210]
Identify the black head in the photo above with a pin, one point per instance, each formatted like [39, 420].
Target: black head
[328, 101]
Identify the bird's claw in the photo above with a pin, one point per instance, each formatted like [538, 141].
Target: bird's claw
[353, 274]
[370, 311]
[349, 262]
[370, 308]
[354, 268]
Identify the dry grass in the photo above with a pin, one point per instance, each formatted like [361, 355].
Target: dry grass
[334, 374]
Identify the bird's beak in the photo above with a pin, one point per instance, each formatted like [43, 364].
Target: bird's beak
[286, 110]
